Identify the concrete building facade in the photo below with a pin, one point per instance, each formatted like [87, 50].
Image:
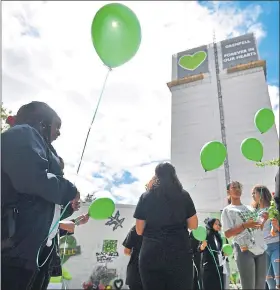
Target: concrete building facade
[216, 91]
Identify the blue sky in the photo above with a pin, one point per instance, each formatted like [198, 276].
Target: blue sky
[269, 45]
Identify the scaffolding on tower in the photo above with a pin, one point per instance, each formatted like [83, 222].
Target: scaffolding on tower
[221, 108]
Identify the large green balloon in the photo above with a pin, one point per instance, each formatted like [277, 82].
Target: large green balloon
[116, 34]
[264, 119]
[213, 155]
[252, 149]
[200, 233]
[101, 208]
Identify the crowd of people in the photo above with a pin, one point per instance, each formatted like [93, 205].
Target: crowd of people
[36, 199]
[170, 256]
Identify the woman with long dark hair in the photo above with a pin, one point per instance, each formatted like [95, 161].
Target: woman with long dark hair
[239, 223]
[261, 202]
[163, 215]
[212, 258]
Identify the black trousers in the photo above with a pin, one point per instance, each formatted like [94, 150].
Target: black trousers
[212, 279]
[133, 279]
[135, 286]
[197, 283]
[19, 278]
[16, 278]
[165, 266]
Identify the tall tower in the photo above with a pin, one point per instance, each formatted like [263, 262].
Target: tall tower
[216, 91]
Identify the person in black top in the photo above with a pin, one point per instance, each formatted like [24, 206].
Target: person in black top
[132, 245]
[31, 188]
[212, 260]
[163, 215]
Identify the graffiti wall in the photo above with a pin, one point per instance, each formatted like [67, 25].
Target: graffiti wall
[96, 258]
[93, 256]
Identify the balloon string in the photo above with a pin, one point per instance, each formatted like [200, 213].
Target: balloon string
[200, 179]
[217, 267]
[197, 275]
[93, 118]
[81, 159]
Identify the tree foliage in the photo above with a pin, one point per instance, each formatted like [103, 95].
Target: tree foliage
[273, 162]
[4, 115]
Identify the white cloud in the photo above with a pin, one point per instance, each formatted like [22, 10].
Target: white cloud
[62, 68]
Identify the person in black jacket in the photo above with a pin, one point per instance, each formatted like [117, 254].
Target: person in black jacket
[212, 260]
[32, 191]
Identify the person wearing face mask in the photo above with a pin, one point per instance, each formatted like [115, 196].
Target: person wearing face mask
[213, 259]
[261, 202]
[239, 223]
[33, 191]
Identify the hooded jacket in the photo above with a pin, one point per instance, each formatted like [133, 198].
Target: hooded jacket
[31, 185]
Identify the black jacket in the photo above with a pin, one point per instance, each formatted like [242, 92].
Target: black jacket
[31, 175]
[212, 276]
[208, 259]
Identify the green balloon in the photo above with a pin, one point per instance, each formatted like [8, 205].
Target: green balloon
[200, 233]
[224, 240]
[252, 149]
[101, 208]
[116, 34]
[227, 249]
[264, 120]
[213, 155]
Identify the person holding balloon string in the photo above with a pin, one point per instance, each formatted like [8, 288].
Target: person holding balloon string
[42, 278]
[240, 223]
[214, 260]
[32, 192]
[262, 199]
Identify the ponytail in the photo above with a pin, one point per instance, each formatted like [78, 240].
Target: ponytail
[229, 199]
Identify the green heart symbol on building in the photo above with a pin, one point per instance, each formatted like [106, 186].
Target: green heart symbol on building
[192, 62]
